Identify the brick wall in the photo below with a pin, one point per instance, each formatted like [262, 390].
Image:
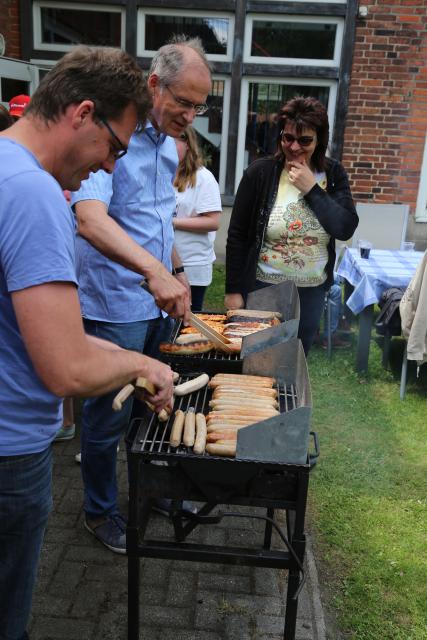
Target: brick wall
[387, 114]
[9, 27]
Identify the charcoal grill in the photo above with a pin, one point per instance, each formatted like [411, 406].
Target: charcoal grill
[270, 472]
[281, 297]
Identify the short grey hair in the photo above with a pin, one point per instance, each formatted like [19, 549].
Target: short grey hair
[169, 60]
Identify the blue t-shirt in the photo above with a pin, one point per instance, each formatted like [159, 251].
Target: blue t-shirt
[36, 246]
[140, 197]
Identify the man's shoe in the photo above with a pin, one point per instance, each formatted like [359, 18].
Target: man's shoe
[164, 506]
[111, 532]
[78, 456]
[65, 433]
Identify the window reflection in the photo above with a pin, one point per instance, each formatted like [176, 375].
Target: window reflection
[309, 40]
[209, 128]
[71, 26]
[212, 31]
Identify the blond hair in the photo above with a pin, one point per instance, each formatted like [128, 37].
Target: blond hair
[191, 162]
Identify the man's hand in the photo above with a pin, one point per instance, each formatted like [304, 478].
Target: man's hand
[169, 293]
[183, 279]
[162, 377]
[301, 176]
[234, 301]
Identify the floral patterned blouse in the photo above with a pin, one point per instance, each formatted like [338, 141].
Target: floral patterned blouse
[295, 244]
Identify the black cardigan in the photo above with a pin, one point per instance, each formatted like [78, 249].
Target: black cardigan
[254, 200]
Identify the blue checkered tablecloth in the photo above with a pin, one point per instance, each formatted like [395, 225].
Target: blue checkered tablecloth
[371, 277]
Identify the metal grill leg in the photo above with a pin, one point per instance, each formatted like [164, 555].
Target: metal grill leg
[268, 529]
[133, 597]
[291, 606]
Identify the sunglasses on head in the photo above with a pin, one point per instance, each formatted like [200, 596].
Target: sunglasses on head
[303, 141]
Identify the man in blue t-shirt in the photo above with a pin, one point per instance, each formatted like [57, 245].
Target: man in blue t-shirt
[79, 120]
[125, 232]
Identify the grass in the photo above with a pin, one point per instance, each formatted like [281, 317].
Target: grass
[367, 497]
[214, 299]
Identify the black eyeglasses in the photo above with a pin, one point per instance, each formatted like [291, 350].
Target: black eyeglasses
[199, 109]
[303, 141]
[116, 153]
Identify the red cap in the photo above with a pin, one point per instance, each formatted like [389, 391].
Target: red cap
[17, 105]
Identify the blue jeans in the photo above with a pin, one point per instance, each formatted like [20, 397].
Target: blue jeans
[25, 504]
[101, 426]
[335, 296]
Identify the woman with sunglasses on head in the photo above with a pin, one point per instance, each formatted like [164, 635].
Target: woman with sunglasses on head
[288, 211]
[198, 210]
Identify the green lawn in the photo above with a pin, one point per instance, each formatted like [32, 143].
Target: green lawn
[367, 497]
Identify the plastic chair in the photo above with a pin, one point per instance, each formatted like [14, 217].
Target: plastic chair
[382, 224]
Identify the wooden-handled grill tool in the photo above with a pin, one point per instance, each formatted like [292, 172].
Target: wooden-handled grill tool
[142, 383]
[214, 336]
[128, 389]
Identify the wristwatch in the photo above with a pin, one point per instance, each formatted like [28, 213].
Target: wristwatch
[177, 270]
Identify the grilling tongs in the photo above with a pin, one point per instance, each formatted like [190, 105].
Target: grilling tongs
[205, 329]
[215, 337]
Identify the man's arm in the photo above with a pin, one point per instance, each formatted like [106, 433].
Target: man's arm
[70, 363]
[101, 231]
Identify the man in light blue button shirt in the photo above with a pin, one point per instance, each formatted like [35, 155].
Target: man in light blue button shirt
[124, 232]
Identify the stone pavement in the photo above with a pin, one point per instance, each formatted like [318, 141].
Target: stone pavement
[82, 586]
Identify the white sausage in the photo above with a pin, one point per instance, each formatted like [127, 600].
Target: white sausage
[201, 430]
[189, 428]
[178, 425]
[192, 385]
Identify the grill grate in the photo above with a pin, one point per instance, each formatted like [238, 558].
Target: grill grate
[153, 436]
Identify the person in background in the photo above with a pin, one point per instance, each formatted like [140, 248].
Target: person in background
[125, 233]
[45, 354]
[288, 211]
[17, 106]
[5, 118]
[198, 211]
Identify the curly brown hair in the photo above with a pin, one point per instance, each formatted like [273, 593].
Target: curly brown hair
[191, 162]
[306, 113]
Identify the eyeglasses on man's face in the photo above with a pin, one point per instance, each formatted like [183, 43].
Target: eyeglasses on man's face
[199, 109]
[122, 149]
[303, 141]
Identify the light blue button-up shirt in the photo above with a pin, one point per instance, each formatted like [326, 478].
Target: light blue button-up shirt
[140, 197]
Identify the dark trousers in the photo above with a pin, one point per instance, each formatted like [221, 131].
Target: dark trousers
[25, 504]
[197, 296]
[312, 302]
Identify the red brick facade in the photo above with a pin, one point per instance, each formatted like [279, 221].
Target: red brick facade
[9, 27]
[387, 111]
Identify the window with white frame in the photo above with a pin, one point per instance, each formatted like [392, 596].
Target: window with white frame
[421, 209]
[60, 25]
[303, 40]
[260, 102]
[16, 77]
[157, 26]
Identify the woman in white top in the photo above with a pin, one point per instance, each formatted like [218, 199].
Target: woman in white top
[198, 209]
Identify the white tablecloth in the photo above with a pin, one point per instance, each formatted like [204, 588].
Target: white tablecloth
[371, 277]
